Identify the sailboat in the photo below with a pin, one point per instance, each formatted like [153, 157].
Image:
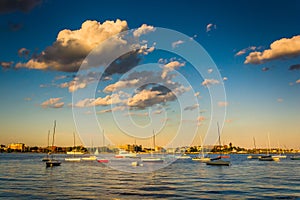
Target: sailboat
[280, 155]
[201, 157]
[218, 161]
[152, 158]
[268, 157]
[52, 162]
[47, 157]
[73, 159]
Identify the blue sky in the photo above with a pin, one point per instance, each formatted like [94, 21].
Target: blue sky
[263, 91]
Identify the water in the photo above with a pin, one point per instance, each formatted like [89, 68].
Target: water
[24, 176]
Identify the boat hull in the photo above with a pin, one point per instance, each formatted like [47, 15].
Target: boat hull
[295, 157]
[218, 163]
[73, 159]
[152, 160]
[203, 160]
[53, 163]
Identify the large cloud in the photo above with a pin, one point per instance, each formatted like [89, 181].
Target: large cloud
[280, 49]
[71, 47]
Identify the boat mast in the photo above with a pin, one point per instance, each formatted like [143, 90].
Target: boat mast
[48, 140]
[53, 133]
[153, 141]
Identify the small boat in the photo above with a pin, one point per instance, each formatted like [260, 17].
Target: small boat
[295, 157]
[268, 158]
[183, 157]
[90, 158]
[218, 162]
[73, 159]
[126, 154]
[102, 160]
[201, 159]
[136, 163]
[253, 156]
[152, 159]
[52, 163]
[279, 156]
[74, 152]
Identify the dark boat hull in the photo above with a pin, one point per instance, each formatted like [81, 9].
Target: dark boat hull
[218, 163]
[52, 163]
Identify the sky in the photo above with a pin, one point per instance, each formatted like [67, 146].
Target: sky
[128, 70]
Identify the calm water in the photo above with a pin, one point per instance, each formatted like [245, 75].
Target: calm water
[24, 176]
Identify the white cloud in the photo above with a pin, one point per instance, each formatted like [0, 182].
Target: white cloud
[280, 49]
[222, 104]
[225, 78]
[105, 101]
[177, 43]
[72, 46]
[209, 82]
[170, 67]
[121, 85]
[210, 27]
[144, 29]
[53, 103]
[201, 118]
[243, 51]
[6, 65]
[210, 70]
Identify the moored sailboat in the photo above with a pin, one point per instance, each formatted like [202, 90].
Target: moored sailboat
[52, 162]
[218, 160]
[74, 152]
[152, 158]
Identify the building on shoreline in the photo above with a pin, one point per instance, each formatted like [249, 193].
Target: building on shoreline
[17, 147]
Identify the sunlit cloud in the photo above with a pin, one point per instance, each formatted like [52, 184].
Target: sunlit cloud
[177, 43]
[222, 104]
[53, 103]
[6, 65]
[210, 27]
[209, 82]
[246, 50]
[280, 49]
[144, 29]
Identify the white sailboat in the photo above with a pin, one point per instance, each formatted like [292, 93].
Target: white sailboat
[73, 152]
[202, 157]
[280, 155]
[152, 158]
